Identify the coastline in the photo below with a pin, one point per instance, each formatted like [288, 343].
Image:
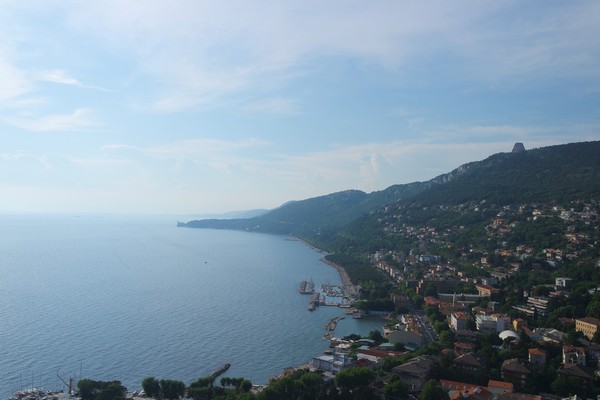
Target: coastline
[350, 288]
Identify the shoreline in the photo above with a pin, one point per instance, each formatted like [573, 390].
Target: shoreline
[350, 288]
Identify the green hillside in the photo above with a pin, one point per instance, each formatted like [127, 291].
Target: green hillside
[551, 174]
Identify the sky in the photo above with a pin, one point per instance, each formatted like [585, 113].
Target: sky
[191, 107]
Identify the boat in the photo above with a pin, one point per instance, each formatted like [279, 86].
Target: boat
[307, 287]
[310, 287]
[314, 301]
[302, 288]
[220, 370]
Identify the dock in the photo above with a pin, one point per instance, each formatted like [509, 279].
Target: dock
[332, 324]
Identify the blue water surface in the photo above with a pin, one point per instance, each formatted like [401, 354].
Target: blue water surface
[123, 298]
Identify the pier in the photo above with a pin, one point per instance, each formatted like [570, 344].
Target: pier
[332, 324]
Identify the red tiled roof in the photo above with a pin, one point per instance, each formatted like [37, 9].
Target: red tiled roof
[537, 352]
[500, 384]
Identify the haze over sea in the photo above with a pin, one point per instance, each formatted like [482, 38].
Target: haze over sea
[122, 298]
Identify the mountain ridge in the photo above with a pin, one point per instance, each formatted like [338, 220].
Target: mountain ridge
[558, 172]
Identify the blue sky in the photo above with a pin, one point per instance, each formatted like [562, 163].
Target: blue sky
[193, 107]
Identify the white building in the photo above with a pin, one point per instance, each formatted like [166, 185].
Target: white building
[492, 323]
[333, 363]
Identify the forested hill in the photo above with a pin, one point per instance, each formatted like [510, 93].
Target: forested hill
[556, 173]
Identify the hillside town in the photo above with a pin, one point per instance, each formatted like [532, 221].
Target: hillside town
[512, 312]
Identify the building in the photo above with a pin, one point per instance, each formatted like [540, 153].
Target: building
[573, 355]
[470, 362]
[499, 387]
[461, 348]
[333, 363]
[458, 321]
[415, 373]
[563, 283]
[588, 326]
[539, 304]
[495, 323]
[486, 290]
[537, 356]
[410, 340]
[515, 371]
[465, 391]
[585, 374]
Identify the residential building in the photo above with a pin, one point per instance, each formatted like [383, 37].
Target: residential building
[458, 321]
[461, 348]
[540, 304]
[495, 323]
[470, 362]
[537, 357]
[415, 373]
[499, 387]
[585, 374]
[486, 290]
[515, 371]
[332, 362]
[588, 326]
[408, 339]
[573, 355]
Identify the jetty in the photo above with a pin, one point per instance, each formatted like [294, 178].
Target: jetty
[220, 370]
[332, 324]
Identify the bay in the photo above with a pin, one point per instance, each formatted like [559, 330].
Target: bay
[122, 298]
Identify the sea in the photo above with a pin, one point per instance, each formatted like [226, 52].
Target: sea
[127, 297]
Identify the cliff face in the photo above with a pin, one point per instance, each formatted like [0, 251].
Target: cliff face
[518, 147]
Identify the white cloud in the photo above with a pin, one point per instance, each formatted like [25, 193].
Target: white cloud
[62, 77]
[13, 84]
[80, 119]
[196, 51]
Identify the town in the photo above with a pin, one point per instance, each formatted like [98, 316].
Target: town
[509, 311]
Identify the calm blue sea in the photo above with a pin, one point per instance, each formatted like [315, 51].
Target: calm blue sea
[122, 298]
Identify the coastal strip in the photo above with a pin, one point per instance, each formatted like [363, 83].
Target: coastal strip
[350, 289]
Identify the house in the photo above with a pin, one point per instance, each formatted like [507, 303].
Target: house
[474, 393]
[333, 363]
[588, 326]
[573, 354]
[461, 390]
[486, 290]
[458, 321]
[585, 374]
[537, 356]
[461, 348]
[409, 339]
[470, 362]
[515, 371]
[499, 387]
[415, 372]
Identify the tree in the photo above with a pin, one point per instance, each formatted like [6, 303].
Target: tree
[99, 390]
[172, 389]
[151, 386]
[431, 391]
[395, 389]
[353, 378]
[112, 391]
